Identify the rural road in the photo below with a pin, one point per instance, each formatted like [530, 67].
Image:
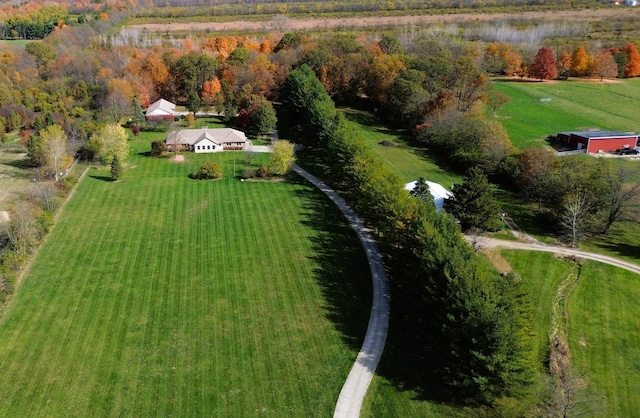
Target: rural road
[483, 242]
[354, 389]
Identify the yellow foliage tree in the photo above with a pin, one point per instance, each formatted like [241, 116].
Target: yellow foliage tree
[580, 62]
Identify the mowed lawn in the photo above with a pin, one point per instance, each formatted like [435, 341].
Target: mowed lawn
[163, 296]
[604, 336]
[407, 159]
[574, 105]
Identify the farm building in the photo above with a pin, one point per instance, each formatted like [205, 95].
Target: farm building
[161, 110]
[438, 192]
[599, 141]
[207, 140]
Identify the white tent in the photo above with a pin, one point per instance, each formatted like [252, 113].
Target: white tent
[438, 192]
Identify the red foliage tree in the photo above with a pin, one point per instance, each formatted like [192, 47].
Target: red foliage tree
[543, 65]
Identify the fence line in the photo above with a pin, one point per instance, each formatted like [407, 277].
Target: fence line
[71, 167]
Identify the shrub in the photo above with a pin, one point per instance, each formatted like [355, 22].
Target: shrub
[249, 173]
[263, 172]
[208, 171]
[158, 148]
[66, 184]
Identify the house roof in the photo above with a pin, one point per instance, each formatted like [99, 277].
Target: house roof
[161, 107]
[601, 134]
[220, 136]
[438, 192]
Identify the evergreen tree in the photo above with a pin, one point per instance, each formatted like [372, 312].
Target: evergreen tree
[138, 113]
[116, 168]
[473, 203]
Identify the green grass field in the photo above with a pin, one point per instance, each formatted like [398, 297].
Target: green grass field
[408, 160]
[574, 105]
[159, 295]
[604, 337]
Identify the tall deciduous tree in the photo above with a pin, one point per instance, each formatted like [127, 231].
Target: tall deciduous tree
[473, 202]
[603, 65]
[620, 193]
[109, 141]
[55, 150]
[632, 69]
[282, 157]
[580, 62]
[564, 64]
[543, 66]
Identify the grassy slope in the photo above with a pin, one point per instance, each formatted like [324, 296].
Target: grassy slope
[574, 105]
[14, 175]
[407, 160]
[160, 295]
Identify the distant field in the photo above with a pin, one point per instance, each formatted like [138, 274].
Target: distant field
[573, 105]
[163, 296]
[407, 160]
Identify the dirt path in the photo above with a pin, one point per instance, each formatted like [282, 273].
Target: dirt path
[515, 245]
[293, 24]
[355, 387]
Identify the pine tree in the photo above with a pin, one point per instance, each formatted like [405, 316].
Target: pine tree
[473, 203]
[116, 169]
[138, 114]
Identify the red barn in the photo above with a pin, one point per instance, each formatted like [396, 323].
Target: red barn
[599, 141]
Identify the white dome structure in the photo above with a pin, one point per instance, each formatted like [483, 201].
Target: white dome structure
[438, 192]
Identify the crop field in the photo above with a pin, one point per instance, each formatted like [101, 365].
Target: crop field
[573, 105]
[158, 295]
[407, 160]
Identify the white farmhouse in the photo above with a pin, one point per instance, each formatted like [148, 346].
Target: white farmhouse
[207, 140]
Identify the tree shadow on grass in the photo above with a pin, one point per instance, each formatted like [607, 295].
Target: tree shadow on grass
[102, 178]
[342, 269]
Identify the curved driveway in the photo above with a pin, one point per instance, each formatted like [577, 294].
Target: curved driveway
[484, 242]
[357, 383]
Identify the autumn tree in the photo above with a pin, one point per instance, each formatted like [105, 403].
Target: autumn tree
[282, 157]
[580, 62]
[564, 64]
[467, 82]
[55, 150]
[543, 66]
[384, 69]
[632, 69]
[603, 65]
[496, 99]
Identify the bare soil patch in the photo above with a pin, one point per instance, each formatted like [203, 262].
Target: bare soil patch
[293, 24]
[178, 158]
[498, 261]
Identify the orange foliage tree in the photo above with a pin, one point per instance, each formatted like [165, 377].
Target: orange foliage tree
[580, 62]
[632, 69]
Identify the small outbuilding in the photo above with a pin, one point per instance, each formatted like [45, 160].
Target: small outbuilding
[161, 110]
[599, 141]
[438, 192]
[207, 140]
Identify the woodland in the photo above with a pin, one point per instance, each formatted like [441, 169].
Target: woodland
[465, 329]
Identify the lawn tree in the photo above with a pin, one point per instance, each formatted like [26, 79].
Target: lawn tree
[109, 141]
[495, 100]
[55, 150]
[543, 66]
[575, 207]
[632, 69]
[116, 168]
[620, 195]
[208, 171]
[603, 65]
[138, 113]
[580, 62]
[421, 190]
[282, 157]
[473, 203]
[564, 64]
[35, 151]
